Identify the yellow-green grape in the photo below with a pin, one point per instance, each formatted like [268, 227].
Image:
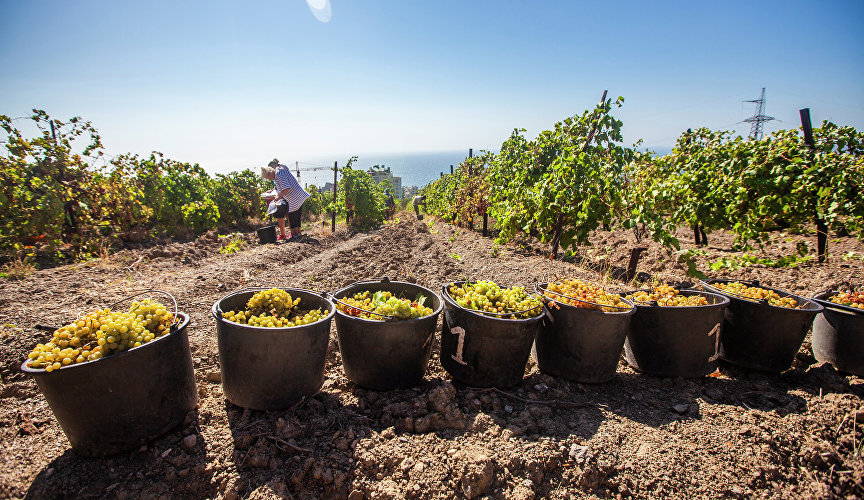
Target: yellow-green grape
[273, 302]
[757, 293]
[100, 334]
[385, 303]
[583, 295]
[274, 308]
[667, 296]
[154, 318]
[488, 297]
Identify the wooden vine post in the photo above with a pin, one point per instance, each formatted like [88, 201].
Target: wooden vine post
[559, 223]
[335, 170]
[698, 231]
[470, 176]
[821, 227]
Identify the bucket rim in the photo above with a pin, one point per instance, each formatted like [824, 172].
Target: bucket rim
[216, 310]
[620, 310]
[724, 300]
[818, 308]
[76, 366]
[446, 294]
[382, 281]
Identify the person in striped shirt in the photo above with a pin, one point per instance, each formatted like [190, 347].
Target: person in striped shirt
[289, 197]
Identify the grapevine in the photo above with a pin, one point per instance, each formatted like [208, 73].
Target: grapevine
[487, 297]
[383, 303]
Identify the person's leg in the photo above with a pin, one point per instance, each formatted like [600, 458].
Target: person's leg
[294, 219]
[280, 219]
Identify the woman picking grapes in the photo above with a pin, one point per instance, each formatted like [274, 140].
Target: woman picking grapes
[289, 198]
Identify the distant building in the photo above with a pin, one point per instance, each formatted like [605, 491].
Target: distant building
[380, 173]
[328, 187]
[409, 191]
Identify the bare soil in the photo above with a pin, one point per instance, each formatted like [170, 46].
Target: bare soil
[736, 434]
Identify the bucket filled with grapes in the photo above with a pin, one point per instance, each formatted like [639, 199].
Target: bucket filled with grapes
[763, 328]
[272, 345]
[488, 332]
[583, 338]
[386, 330]
[118, 377]
[674, 333]
[838, 333]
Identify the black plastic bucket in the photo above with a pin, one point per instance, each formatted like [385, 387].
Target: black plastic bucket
[485, 351]
[676, 341]
[385, 355]
[267, 234]
[763, 337]
[119, 402]
[581, 345]
[271, 368]
[838, 336]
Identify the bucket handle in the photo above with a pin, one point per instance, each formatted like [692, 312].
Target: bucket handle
[334, 299]
[759, 301]
[383, 279]
[51, 328]
[704, 285]
[545, 291]
[143, 292]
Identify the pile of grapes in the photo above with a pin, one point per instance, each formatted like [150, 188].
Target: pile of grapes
[102, 333]
[383, 303]
[274, 308]
[583, 295]
[488, 297]
[851, 299]
[757, 293]
[667, 296]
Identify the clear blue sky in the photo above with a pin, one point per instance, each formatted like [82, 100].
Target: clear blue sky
[231, 84]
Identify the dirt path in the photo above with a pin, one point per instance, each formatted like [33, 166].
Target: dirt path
[740, 434]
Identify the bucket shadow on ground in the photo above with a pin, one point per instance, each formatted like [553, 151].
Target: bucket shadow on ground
[290, 441]
[162, 467]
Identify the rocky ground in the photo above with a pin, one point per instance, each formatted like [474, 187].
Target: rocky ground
[737, 433]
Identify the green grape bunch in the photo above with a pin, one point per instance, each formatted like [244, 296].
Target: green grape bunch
[487, 297]
[274, 308]
[383, 303]
[102, 333]
[273, 302]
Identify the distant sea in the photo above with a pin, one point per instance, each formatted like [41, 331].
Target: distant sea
[415, 169]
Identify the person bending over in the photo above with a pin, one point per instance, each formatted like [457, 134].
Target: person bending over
[420, 199]
[289, 197]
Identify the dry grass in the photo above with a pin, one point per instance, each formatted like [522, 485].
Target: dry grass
[18, 268]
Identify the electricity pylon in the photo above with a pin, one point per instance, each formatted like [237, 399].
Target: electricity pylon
[758, 119]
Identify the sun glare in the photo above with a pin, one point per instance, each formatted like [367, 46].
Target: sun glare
[320, 9]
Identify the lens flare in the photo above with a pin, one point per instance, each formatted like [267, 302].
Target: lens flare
[320, 9]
